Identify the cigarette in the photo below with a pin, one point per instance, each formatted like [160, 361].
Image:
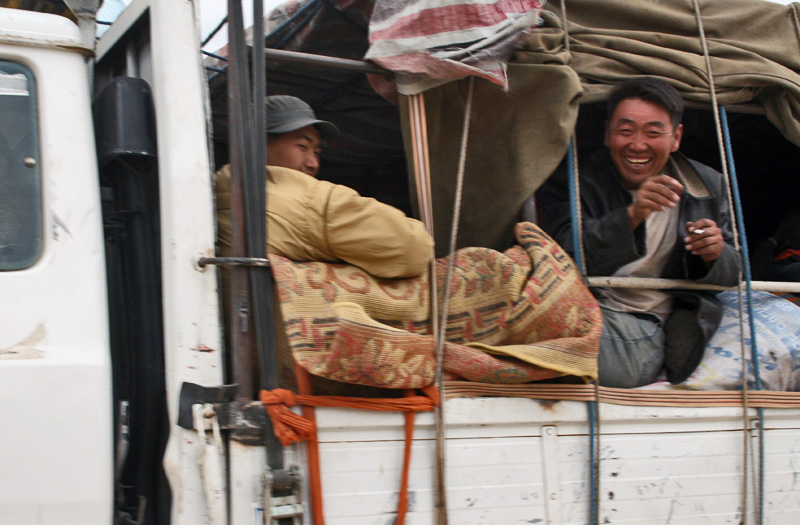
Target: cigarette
[698, 231]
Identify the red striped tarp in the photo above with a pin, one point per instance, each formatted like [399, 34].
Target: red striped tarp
[430, 42]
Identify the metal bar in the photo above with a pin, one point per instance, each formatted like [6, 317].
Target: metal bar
[667, 284]
[202, 262]
[295, 57]
[242, 337]
[552, 479]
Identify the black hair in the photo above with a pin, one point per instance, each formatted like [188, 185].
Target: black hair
[649, 89]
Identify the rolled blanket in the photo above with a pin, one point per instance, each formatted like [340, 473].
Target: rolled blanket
[514, 317]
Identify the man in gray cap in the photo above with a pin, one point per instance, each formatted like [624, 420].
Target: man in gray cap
[294, 134]
[315, 220]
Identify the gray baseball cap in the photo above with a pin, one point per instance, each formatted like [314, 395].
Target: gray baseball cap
[286, 113]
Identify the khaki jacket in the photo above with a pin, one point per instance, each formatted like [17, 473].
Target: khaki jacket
[315, 220]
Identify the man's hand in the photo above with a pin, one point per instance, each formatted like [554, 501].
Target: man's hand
[655, 194]
[704, 239]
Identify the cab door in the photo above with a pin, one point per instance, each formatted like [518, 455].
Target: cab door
[56, 437]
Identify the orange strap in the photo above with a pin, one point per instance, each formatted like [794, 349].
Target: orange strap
[402, 500]
[312, 449]
[293, 428]
[290, 428]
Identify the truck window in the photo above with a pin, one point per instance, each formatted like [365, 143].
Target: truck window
[20, 187]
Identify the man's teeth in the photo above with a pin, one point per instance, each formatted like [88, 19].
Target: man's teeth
[637, 162]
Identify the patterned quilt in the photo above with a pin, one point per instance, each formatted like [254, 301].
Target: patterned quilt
[514, 317]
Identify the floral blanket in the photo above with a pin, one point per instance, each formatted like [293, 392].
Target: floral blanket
[514, 317]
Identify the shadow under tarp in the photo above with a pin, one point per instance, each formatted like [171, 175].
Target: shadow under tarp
[516, 140]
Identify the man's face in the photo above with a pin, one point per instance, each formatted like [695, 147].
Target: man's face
[641, 138]
[298, 150]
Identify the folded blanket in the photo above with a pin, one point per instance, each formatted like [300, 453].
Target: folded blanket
[513, 317]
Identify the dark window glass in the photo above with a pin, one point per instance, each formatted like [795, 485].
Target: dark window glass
[20, 186]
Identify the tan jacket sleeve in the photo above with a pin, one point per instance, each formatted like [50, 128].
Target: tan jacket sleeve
[313, 220]
[375, 236]
[222, 192]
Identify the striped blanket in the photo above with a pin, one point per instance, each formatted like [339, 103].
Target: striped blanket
[514, 317]
[430, 42]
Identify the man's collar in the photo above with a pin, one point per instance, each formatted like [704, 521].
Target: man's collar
[682, 170]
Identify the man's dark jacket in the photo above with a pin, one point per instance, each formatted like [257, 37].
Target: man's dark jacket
[609, 243]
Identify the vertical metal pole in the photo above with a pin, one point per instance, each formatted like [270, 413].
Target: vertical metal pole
[242, 340]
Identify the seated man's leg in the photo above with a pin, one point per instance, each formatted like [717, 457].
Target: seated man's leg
[631, 350]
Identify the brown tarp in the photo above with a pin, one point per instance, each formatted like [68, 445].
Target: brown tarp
[517, 138]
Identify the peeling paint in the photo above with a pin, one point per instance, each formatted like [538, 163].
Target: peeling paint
[202, 348]
[58, 223]
[26, 349]
[549, 405]
[412, 501]
[671, 510]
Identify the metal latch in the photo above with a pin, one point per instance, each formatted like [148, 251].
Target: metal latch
[282, 496]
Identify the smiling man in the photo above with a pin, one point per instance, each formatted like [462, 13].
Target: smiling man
[648, 211]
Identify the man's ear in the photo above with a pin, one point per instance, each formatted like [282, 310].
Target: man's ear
[676, 140]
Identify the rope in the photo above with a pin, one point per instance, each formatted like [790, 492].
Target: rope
[723, 141]
[579, 255]
[454, 226]
[753, 337]
[312, 449]
[575, 206]
[419, 146]
[293, 428]
[594, 455]
[279, 407]
[402, 500]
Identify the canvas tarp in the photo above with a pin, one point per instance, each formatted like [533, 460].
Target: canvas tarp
[518, 137]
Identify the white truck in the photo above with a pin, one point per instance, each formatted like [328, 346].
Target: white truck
[106, 207]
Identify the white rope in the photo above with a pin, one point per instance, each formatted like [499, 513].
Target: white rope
[440, 328]
[724, 160]
[462, 156]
